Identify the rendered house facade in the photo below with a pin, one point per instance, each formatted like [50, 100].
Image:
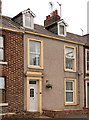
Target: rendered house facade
[36, 56]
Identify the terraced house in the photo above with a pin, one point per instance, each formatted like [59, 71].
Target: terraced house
[43, 67]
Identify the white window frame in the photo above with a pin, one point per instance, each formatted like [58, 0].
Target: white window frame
[31, 20]
[74, 91]
[60, 24]
[86, 60]
[71, 91]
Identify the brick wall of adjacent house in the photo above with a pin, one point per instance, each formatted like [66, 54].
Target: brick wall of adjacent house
[14, 71]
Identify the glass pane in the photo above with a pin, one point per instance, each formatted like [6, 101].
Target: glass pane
[31, 92]
[35, 60]
[69, 52]
[61, 29]
[1, 42]
[1, 54]
[32, 82]
[69, 96]
[35, 47]
[87, 65]
[27, 21]
[87, 55]
[69, 63]
[2, 96]
[69, 85]
[2, 83]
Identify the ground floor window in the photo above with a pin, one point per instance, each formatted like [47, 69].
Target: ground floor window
[2, 89]
[70, 91]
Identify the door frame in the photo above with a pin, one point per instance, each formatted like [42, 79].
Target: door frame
[87, 81]
[38, 77]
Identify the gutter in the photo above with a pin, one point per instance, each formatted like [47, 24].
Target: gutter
[11, 29]
[52, 37]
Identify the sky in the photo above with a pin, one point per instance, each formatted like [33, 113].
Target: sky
[74, 12]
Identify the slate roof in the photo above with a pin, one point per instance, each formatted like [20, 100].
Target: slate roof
[7, 22]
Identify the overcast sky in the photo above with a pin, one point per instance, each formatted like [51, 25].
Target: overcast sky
[74, 12]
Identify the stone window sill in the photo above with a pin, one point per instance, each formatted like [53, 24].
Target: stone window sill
[3, 63]
[3, 104]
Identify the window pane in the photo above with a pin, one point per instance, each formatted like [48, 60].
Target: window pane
[87, 65]
[87, 60]
[69, 85]
[69, 52]
[2, 96]
[1, 54]
[35, 60]
[69, 96]
[1, 42]
[87, 55]
[32, 82]
[61, 29]
[35, 47]
[31, 92]
[2, 83]
[27, 21]
[69, 63]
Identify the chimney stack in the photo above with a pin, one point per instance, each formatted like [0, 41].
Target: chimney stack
[52, 18]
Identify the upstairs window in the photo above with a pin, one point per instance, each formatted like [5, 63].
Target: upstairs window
[62, 29]
[28, 20]
[62, 25]
[87, 61]
[35, 58]
[70, 58]
[34, 53]
[2, 89]
[1, 48]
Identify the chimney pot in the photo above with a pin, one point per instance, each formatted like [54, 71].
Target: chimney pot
[56, 12]
[53, 13]
[48, 16]
[52, 18]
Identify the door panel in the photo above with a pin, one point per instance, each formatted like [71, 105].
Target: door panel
[33, 97]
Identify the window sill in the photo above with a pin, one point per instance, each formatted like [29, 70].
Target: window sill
[3, 104]
[35, 67]
[3, 63]
[67, 70]
[70, 104]
[64, 35]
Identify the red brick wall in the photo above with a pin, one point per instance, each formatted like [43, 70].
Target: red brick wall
[14, 71]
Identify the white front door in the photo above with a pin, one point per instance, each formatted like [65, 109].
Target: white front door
[33, 96]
